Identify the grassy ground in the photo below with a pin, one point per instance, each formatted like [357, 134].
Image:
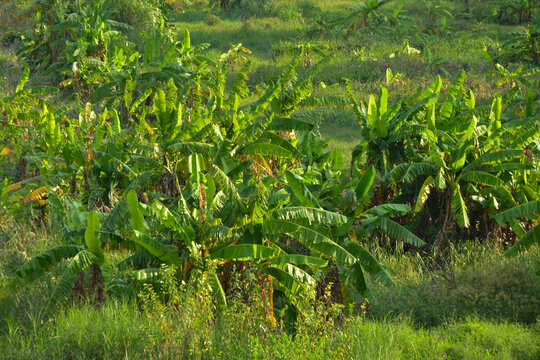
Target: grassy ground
[469, 304]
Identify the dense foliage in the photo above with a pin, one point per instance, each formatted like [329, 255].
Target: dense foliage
[179, 164]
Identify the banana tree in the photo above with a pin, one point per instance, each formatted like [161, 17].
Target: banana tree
[388, 131]
[466, 159]
[365, 14]
[87, 255]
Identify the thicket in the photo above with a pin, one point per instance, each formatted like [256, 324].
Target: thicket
[182, 168]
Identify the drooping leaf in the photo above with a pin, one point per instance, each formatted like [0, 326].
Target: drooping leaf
[38, 266]
[530, 238]
[244, 252]
[265, 149]
[493, 157]
[397, 231]
[353, 277]
[83, 260]
[311, 215]
[288, 282]
[481, 177]
[369, 263]
[310, 238]
[529, 210]
[156, 248]
[459, 208]
[296, 260]
[423, 194]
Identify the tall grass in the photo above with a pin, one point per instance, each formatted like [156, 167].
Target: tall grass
[119, 331]
[474, 304]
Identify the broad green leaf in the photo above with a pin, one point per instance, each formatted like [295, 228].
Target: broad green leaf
[371, 114]
[530, 238]
[93, 242]
[481, 177]
[315, 215]
[38, 266]
[310, 238]
[156, 248]
[389, 208]
[301, 192]
[530, 210]
[244, 252]
[493, 157]
[365, 183]
[288, 124]
[137, 219]
[83, 260]
[397, 231]
[226, 184]
[369, 263]
[192, 148]
[288, 282]
[423, 194]
[296, 260]
[265, 149]
[23, 79]
[353, 277]
[459, 208]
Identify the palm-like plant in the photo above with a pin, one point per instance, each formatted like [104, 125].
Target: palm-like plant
[529, 210]
[79, 37]
[88, 255]
[365, 15]
[524, 45]
[435, 8]
[463, 153]
[519, 11]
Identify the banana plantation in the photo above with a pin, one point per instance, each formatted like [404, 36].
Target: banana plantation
[178, 177]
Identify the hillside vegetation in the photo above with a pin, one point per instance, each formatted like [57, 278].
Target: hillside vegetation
[267, 179]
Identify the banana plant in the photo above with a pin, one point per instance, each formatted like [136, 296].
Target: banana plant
[466, 159]
[81, 36]
[132, 77]
[88, 255]
[517, 11]
[365, 15]
[386, 129]
[337, 238]
[523, 45]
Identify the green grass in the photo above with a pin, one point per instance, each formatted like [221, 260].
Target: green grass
[472, 280]
[119, 331]
[468, 303]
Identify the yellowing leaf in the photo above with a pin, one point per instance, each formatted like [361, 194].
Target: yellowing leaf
[36, 195]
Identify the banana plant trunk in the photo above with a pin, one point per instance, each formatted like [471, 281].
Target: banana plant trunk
[97, 285]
